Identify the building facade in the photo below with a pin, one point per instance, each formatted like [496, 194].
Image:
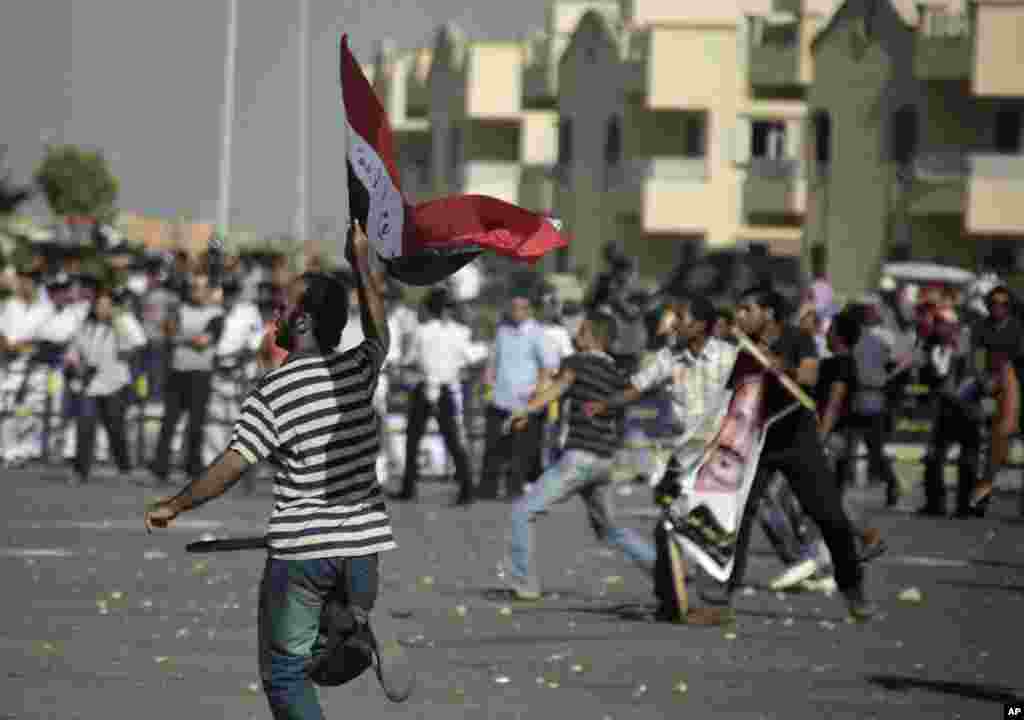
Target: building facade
[870, 128]
[916, 115]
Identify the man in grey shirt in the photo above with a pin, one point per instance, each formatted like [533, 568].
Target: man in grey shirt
[193, 330]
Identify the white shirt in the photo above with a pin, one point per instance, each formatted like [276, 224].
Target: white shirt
[467, 282]
[403, 323]
[696, 384]
[442, 348]
[21, 322]
[243, 330]
[559, 341]
[352, 336]
[64, 324]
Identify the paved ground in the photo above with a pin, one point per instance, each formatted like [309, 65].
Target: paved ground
[104, 621]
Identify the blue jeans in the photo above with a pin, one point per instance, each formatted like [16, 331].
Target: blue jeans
[585, 474]
[292, 595]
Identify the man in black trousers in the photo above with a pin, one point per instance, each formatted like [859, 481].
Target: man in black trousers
[440, 349]
[793, 448]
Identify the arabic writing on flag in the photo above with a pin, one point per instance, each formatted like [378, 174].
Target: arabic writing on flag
[425, 243]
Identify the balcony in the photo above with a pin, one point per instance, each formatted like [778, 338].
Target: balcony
[995, 189]
[635, 172]
[936, 183]
[671, 194]
[774, 54]
[774, 188]
[497, 179]
[942, 46]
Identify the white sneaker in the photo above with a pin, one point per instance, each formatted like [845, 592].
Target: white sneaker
[795, 574]
[522, 588]
[823, 583]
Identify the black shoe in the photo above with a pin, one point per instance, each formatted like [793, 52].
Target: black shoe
[462, 501]
[892, 497]
[978, 508]
[859, 606]
[874, 547]
[931, 511]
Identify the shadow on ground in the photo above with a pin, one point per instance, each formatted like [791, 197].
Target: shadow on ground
[988, 693]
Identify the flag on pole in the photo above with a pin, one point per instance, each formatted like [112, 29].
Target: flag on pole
[425, 243]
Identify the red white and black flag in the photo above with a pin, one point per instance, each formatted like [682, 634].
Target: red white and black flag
[425, 243]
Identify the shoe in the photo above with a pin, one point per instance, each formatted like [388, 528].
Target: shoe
[461, 501]
[979, 507]
[795, 574]
[980, 500]
[820, 583]
[522, 588]
[873, 546]
[400, 496]
[859, 606]
[931, 511]
[892, 497]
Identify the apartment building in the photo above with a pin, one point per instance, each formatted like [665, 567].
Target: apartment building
[916, 133]
[670, 126]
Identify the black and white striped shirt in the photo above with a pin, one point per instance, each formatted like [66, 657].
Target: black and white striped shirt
[314, 419]
[596, 378]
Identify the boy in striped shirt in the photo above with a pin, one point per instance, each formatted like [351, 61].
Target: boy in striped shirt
[313, 418]
[585, 466]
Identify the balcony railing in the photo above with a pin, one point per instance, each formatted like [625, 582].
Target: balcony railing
[940, 165]
[781, 168]
[997, 166]
[939, 180]
[635, 171]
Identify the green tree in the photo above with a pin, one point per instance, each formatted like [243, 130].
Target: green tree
[11, 196]
[77, 181]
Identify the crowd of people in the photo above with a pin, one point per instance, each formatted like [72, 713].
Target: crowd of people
[312, 357]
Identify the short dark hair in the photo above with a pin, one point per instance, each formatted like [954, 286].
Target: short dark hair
[770, 300]
[847, 326]
[702, 310]
[325, 299]
[604, 326]
[437, 301]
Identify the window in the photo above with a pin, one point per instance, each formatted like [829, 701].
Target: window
[613, 143]
[768, 139]
[565, 142]
[454, 153]
[903, 138]
[1008, 122]
[822, 138]
[696, 134]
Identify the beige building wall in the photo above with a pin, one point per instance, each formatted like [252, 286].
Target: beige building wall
[999, 55]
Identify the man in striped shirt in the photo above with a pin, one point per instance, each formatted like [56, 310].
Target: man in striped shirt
[585, 466]
[313, 417]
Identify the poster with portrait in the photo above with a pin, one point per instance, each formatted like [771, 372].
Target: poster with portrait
[719, 462]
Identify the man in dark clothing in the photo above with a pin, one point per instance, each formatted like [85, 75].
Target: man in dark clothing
[792, 446]
[947, 371]
[999, 341]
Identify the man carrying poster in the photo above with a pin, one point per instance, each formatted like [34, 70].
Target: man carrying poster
[791, 445]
